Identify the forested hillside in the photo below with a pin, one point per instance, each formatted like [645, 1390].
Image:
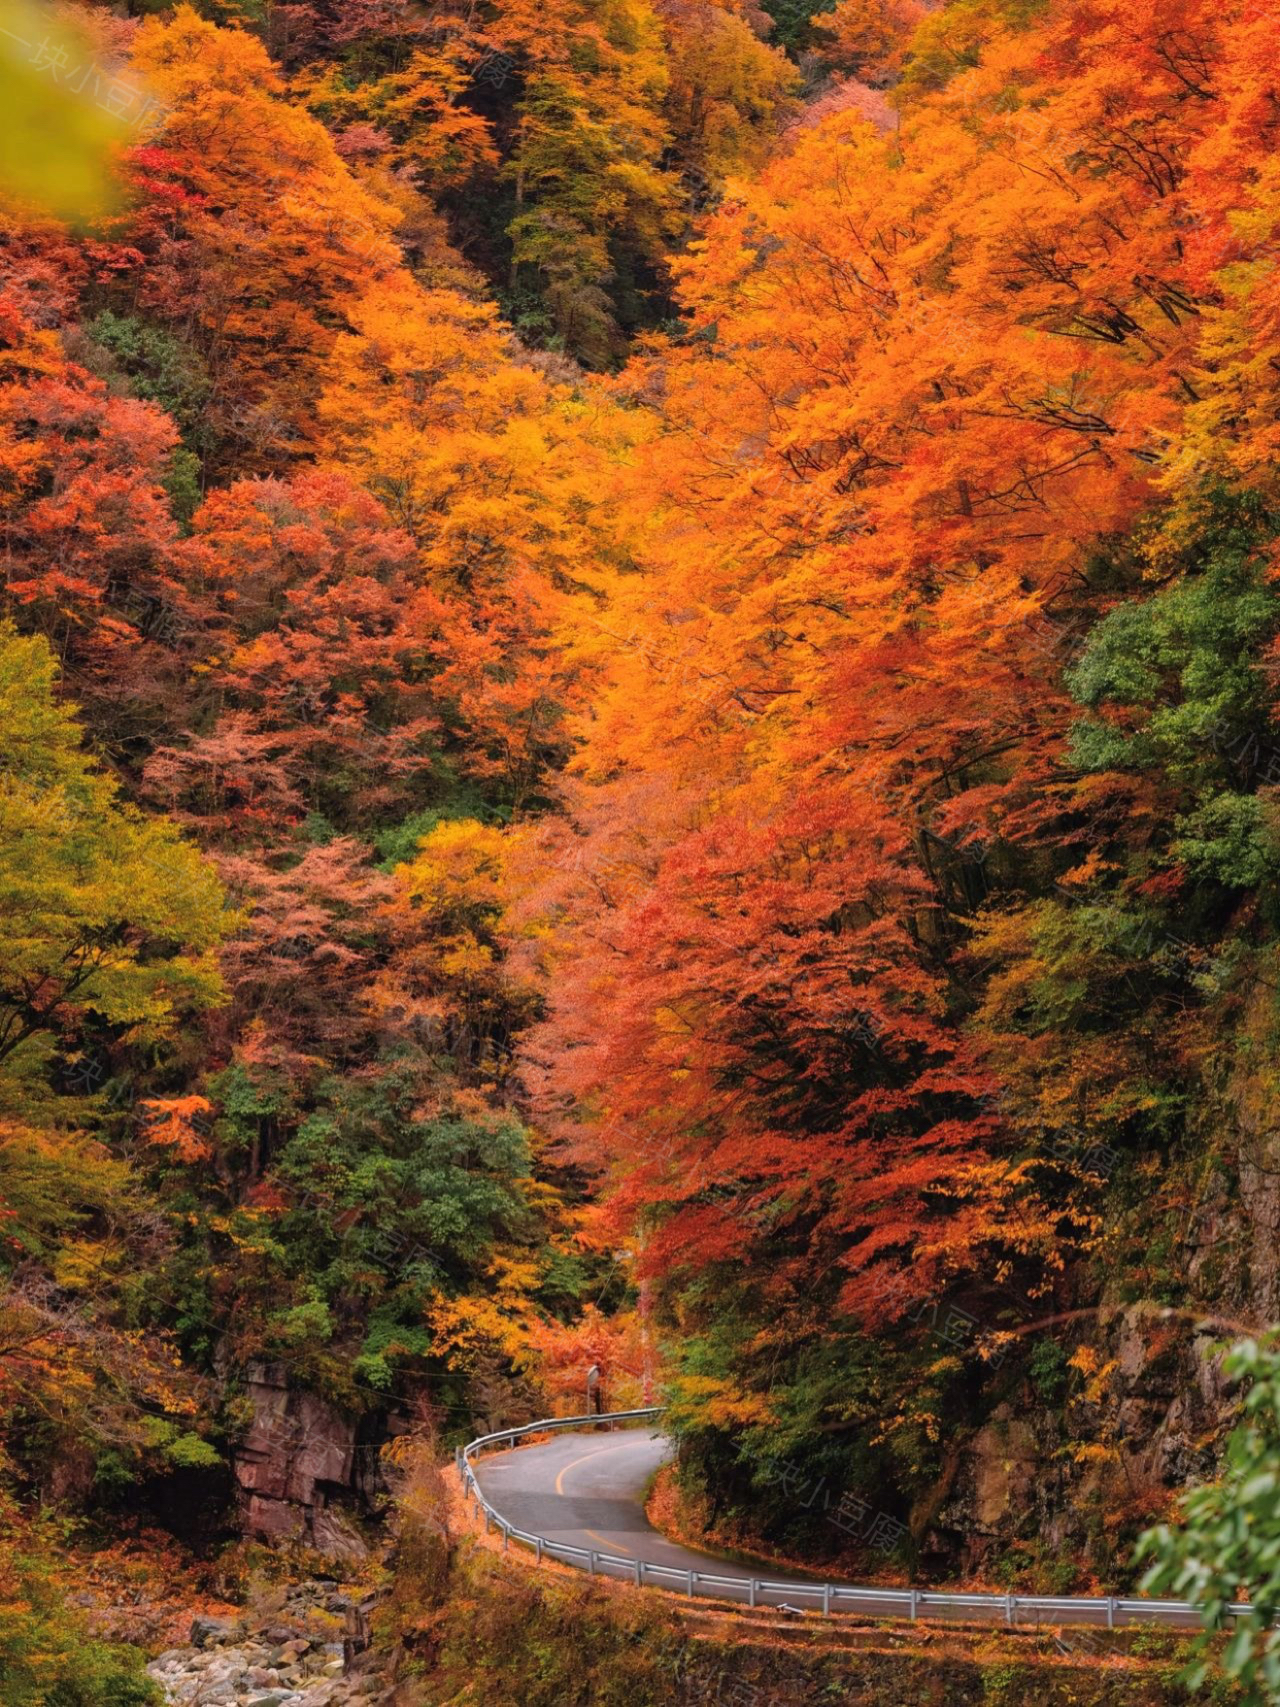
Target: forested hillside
[638, 729]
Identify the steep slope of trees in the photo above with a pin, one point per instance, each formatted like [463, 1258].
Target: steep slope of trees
[639, 729]
[299, 525]
[568, 143]
[111, 923]
[949, 655]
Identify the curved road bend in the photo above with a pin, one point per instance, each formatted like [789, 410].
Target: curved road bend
[587, 1490]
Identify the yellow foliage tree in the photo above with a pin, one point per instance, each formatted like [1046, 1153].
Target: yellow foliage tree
[102, 912]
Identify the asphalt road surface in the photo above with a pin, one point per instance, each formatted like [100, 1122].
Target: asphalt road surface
[587, 1491]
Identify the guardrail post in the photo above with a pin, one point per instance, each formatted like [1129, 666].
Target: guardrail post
[1008, 1610]
[751, 1592]
[692, 1575]
[639, 1568]
[591, 1564]
[915, 1604]
[826, 1600]
[1111, 1612]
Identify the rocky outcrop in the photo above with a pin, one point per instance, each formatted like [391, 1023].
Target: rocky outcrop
[1003, 1485]
[1004, 1460]
[1257, 1120]
[1099, 1450]
[1072, 1480]
[299, 1469]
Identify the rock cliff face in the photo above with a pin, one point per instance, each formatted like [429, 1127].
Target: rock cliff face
[308, 1472]
[302, 1474]
[1257, 1120]
[1049, 1484]
[1074, 1473]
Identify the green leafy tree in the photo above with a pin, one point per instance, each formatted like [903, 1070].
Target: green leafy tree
[1178, 685]
[1229, 1544]
[47, 1657]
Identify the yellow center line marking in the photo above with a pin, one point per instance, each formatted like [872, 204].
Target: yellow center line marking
[609, 1546]
[586, 1458]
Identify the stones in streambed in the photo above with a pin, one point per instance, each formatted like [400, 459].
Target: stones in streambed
[206, 1630]
[295, 1659]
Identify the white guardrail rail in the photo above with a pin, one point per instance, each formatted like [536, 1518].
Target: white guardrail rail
[1027, 1611]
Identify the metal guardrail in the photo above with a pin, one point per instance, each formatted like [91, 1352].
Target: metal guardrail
[1015, 1610]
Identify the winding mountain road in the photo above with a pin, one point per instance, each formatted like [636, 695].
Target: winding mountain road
[586, 1491]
